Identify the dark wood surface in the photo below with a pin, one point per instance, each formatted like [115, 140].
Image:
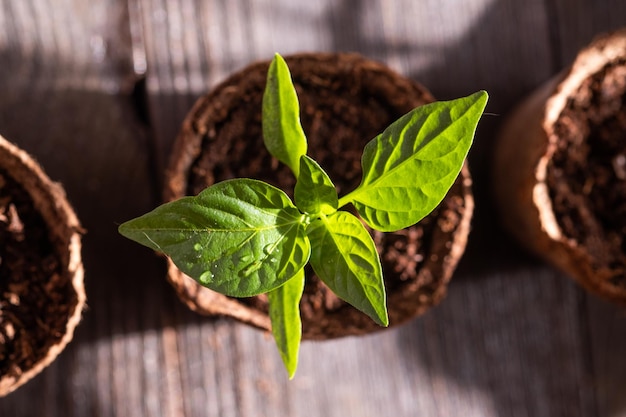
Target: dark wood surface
[96, 90]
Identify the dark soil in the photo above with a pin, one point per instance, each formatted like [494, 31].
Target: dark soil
[36, 298]
[340, 114]
[587, 177]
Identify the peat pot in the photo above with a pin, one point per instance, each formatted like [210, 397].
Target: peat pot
[560, 169]
[41, 272]
[345, 101]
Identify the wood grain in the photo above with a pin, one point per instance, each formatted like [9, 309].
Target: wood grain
[96, 92]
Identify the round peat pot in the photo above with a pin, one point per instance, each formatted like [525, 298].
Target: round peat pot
[41, 272]
[560, 169]
[345, 100]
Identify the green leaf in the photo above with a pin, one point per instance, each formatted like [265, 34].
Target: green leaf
[344, 256]
[314, 193]
[239, 237]
[409, 168]
[282, 131]
[284, 312]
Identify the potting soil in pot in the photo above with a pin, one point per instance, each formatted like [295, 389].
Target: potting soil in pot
[587, 177]
[36, 298]
[340, 114]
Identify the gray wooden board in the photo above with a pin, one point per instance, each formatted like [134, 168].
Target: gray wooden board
[513, 338]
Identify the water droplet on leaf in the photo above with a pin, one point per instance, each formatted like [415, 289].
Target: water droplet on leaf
[206, 277]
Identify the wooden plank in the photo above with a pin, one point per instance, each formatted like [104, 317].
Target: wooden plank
[67, 77]
[575, 23]
[607, 325]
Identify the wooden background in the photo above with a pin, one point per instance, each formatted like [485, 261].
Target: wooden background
[96, 90]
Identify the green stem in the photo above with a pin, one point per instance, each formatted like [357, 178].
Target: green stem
[345, 200]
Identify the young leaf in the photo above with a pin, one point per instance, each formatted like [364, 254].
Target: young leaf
[314, 192]
[344, 256]
[409, 168]
[282, 131]
[284, 312]
[239, 237]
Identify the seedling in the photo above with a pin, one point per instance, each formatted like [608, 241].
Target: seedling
[244, 237]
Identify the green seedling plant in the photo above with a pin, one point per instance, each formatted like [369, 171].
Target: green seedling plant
[243, 237]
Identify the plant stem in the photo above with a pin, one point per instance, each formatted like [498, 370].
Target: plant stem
[345, 200]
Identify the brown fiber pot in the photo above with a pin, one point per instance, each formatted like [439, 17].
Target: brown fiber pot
[345, 101]
[560, 169]
[41, 272]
